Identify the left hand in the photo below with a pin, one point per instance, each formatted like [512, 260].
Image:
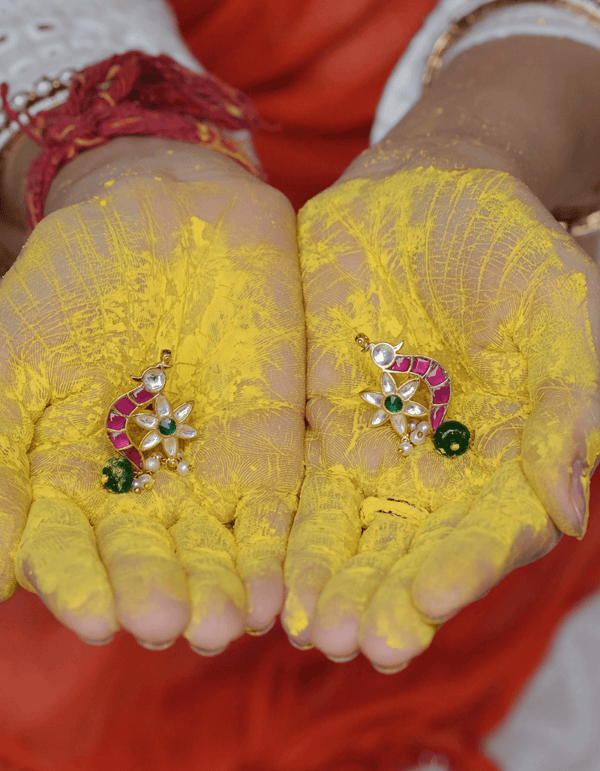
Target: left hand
[466, 267]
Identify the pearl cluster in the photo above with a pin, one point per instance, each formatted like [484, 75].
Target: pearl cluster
[151, 465]
[418, 432]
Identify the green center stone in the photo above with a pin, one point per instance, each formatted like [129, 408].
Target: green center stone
[393, 404]
[118, 475]
[452, 438]
[167, 426]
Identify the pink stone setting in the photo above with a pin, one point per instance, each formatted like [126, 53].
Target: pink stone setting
[141, 396]
[441, 395]
[120, 441]
[134, 456]
[115, 422]
[420, 366]
[124, 405]
[402, 364]
[436, 377]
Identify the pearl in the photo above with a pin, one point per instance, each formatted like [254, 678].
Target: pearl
[423, 427]
[19, 101]
[417, 437]
[183, 468]
[136, 486]
[146, 481]
[42, 87]
[412, 425]
[65, 77]
[405, 447]
[152, 463]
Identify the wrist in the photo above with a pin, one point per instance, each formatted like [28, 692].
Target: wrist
[118, 161]
[126, 159]
[526, 105]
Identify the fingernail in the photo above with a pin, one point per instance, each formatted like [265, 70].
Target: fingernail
[106, 641]
[442, 619]
[299, 647]
[578, 496]
[155, 646]
[208, 654]
[389, 670]
[260, 632]
[342, 659]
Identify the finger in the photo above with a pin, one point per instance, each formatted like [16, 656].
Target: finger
[206, 549]
[58, 559]
[324, 535]
[262, 526]
[392, 629]
[507, 526]
[22, 396]
[561, 439]
[15, 436]
[148, 582]
[390, 526]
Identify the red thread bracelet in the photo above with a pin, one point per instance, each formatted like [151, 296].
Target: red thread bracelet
[132, 94]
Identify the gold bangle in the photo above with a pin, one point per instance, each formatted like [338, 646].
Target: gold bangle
[460, 27]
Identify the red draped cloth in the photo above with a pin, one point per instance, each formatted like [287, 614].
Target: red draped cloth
[315, 68]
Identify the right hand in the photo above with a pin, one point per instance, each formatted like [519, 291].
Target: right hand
[179, 248]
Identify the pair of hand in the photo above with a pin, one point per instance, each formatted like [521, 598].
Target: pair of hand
[157, 245]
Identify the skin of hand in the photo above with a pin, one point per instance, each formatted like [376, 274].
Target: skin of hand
[150, 244]
[436, 240]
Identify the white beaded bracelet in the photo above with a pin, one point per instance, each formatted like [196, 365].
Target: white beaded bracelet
[43, 95]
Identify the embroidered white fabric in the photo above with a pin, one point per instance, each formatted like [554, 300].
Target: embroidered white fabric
[404, 86]
[45, 37]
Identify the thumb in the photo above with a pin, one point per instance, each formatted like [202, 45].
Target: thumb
[561, 444]
[561, 439]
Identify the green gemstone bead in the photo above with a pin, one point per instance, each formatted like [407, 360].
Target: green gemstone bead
[119, 475]
[452, 438]
[393, 404]
[167, 426]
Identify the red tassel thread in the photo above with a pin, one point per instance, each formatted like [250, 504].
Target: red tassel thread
[132, 94]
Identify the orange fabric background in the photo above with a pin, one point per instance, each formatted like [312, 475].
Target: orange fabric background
[316, 68]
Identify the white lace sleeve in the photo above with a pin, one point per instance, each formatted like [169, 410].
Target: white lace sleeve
[43, 41]
[404, 86]
[42, 38]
